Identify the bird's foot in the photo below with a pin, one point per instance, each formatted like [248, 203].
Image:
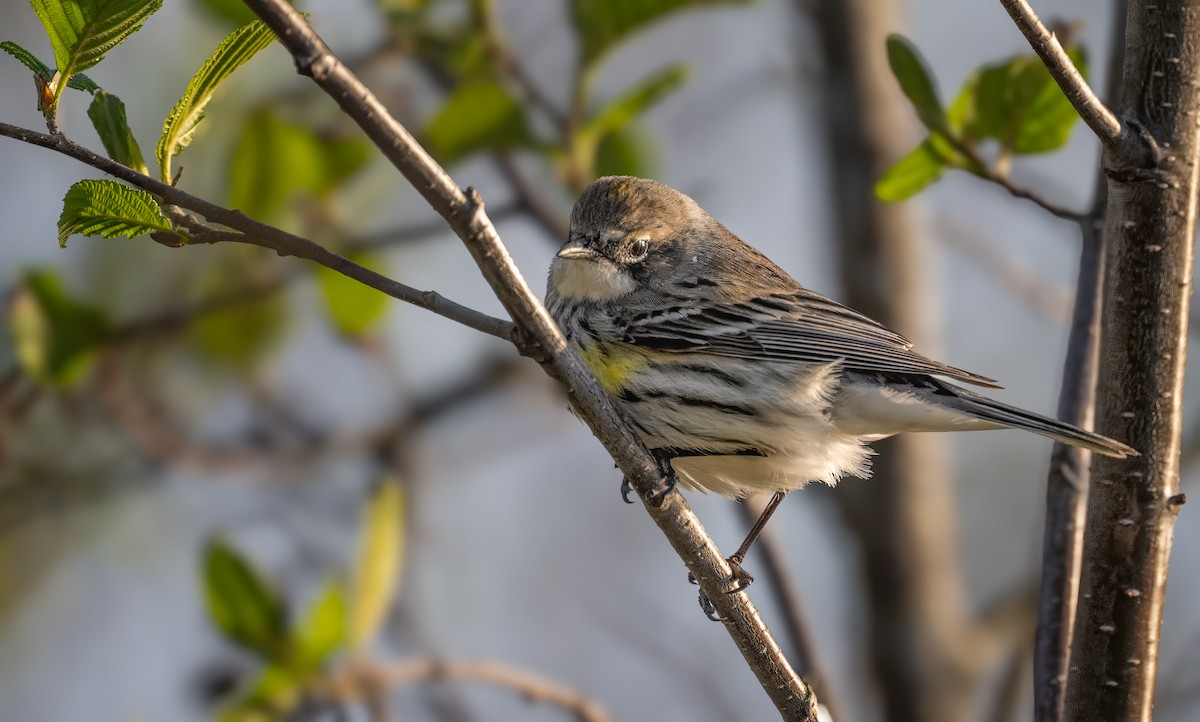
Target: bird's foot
[739, 579]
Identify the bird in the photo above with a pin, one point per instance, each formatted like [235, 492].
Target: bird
[739, 379]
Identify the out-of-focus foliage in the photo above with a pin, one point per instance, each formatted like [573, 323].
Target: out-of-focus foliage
[297, 655]
[380, 555]
[55, 336]
[232, 53]
[243, 605]
[1014, 103]
[352, 308]
[601, 24]
[479, 115]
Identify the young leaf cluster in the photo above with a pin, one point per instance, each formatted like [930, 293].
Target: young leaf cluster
[248, 611]
[1014, 104]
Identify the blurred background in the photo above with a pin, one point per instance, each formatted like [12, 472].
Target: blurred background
[233, 394]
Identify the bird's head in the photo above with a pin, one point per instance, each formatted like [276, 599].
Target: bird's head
[627, 234]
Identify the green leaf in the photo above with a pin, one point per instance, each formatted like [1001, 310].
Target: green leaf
[911, 174]
[79, 81]
[28, 59]
[83, 31]
[625, 151]
[233, 12]
[55, 337]
[353, 308]
[274, 693]
[108, 209]
[479, 115]
[1018, 104]
[242, 605]
[916, 82]
[272, 160]
[232, 53]
[600, 25]
[108, 117]
[637, 100]
[323, 629]
[380, 555]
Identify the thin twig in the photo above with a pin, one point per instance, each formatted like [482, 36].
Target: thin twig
[254, 233]
[465, 213]
[1037, 199]
[1096, 114]
[381, 675]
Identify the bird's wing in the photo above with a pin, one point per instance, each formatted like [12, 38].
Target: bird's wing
[800, 326]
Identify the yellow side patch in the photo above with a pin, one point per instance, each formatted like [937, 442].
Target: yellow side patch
[612, 371]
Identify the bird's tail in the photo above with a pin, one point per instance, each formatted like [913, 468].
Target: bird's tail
[987, 409]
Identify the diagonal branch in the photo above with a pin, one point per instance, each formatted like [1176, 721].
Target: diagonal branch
[465, 214]
[255, 233]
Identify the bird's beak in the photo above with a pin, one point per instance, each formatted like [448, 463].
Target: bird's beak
[574, 249]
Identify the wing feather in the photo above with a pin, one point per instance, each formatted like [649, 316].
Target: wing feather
[802, 327]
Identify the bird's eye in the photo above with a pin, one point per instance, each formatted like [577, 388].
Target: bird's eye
[638, 249]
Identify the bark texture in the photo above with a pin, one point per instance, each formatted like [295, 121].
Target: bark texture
[1133, 503]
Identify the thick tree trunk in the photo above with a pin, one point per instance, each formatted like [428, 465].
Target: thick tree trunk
[1133, 503]
[904, 516]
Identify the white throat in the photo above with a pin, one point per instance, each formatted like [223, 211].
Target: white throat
[588, 279]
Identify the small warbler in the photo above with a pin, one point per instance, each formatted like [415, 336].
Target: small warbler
[737, 377]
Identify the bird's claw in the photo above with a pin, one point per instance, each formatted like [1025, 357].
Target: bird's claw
[626, 489]
[709, 609]
[738, 576]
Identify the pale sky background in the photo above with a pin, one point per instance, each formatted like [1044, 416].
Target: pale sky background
[525, 552]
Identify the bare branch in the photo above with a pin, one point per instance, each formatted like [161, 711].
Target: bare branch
[464, 212]
[255, 233]
[1096, 114]
[367, 678]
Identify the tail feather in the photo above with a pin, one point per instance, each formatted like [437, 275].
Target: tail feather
[990, 410]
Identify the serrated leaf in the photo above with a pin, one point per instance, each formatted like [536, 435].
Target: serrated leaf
[352, 307]
[601, 25]
[243, 605]
[55, 337]
[107, 113]
[380, 556]
[637, 100]
[478, 115]
[82, 32]
[1018, 104]
[916, 82]
[78, 81]
[626, 151]
[323, 629]
[27, 59]
[108, 209]
[911, 174]
[232, 53]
